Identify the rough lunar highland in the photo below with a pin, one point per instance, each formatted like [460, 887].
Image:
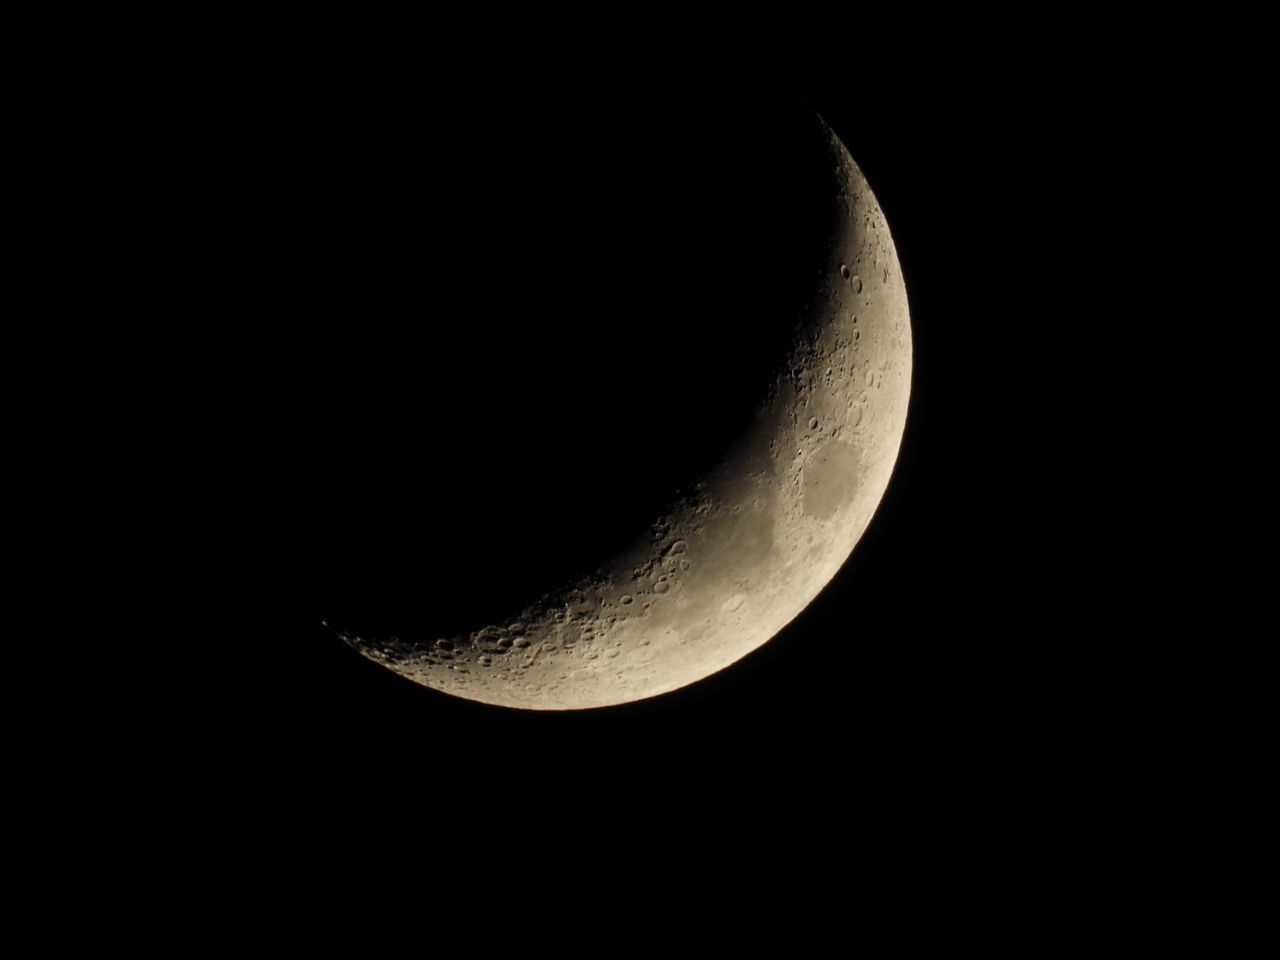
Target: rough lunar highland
[735, 562]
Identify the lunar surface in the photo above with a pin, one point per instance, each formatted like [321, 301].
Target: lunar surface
[754, 541]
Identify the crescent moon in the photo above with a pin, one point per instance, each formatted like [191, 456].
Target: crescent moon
[732, 564]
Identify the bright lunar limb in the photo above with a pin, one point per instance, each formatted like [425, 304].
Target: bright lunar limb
[733, 563]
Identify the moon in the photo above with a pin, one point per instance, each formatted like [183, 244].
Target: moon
[755, 540]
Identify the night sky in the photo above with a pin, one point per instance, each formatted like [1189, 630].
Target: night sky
[484, 356]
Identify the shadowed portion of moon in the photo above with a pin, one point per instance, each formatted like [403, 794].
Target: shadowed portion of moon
[614, 396]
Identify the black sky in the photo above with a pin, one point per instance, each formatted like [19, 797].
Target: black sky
[436, 292]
